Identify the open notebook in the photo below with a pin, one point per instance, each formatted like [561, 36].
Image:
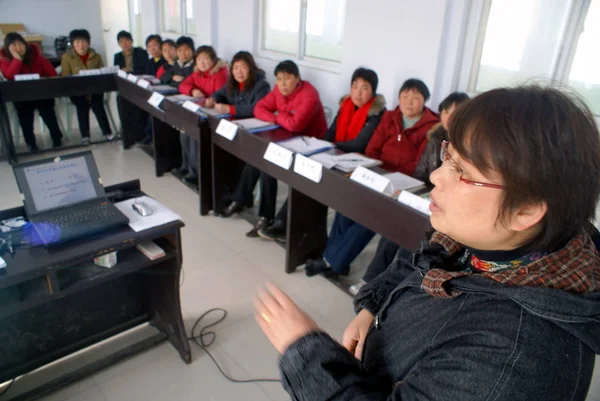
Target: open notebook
[254, 125]
[347, 162]
[306, 145]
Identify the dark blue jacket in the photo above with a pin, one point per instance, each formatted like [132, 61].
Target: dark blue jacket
[140, 61]
[493, 342]
[244, 101]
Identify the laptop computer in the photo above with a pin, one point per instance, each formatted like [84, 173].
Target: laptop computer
[64, 198]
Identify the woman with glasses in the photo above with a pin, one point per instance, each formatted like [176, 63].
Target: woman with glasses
[502, 302]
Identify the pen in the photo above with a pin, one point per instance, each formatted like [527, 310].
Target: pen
[304, 140]
[349, 160]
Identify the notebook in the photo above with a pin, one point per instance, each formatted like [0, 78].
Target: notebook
[254, 125]
[306, 145]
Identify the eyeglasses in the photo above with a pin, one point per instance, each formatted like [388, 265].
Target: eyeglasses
[445, 156]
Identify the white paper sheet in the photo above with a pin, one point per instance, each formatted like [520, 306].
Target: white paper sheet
[160, 214]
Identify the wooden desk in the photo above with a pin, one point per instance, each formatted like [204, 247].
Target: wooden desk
[308, 201]
[56, 301]
[46, 88]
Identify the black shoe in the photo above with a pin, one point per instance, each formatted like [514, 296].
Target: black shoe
[191, 178]
[33, 149]
[232, 209]
[262, 223]
[275, 232]
[314, 267]
[179, 171]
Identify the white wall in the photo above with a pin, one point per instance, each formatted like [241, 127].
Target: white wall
[53, 18]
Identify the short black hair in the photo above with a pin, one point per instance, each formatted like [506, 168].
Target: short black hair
[169, 42]
[368, 75]
[124, 35]
[154, 37]
[453, 98]
[79, 34]
[288, 67]
[417, 85]
[185, 41]
[208, 50]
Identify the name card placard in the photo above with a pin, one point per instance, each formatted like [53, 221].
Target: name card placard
[415, 201]
[156, 99]
[191, 106]
[371, 179]
[308, 168]
[122, 74]
[132, 78]
[279, 156]
[143, 83]
[27, 77]
[227, 129]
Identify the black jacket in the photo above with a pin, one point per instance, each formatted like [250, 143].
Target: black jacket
[140, 60]
[359, 144]
[244, 101]
[184, 70]
[153, 66]
[430, 159]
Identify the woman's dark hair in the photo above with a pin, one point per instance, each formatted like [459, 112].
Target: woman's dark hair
[124, 35]
[208, 50]
[252, 77]
[185, 41]
[368, 75]
[13, 37]
[417, 85]
[79, 34]
[288, 67]
[453, 98]
[154, 37]
[546, 147]
[168, 42]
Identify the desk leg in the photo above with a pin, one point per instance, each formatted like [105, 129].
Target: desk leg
[226, 173]
[125, 109]
[7, 139]
[167, 148]
[205, 188]
[306, 229]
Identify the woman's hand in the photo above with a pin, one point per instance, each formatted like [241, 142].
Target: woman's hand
[178, 78]
[222, 108]
[209, 103]
[355, 333]
[197, 93]
[15, 54]
[281, 319]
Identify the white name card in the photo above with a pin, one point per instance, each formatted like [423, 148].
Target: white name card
[26, 77]
[308, 168]
[227, 129]
[415, 201]
[143, 83]
[132, 78]
[156, 99]
[371, 179]
[279, 155]
[191, 106]
[122, 74]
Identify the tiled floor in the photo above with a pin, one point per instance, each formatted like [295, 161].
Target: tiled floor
[222, 269]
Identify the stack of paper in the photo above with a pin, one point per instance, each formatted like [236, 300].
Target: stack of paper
[160, 214]
[212, 112]
[306, 145]
[326, 159]
[164, 89]
[347, 162]
[178, 98]
[150, 78]
[254, 125]
[401, 182]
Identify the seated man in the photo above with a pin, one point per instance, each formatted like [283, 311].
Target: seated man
[295, 105]
[130, 59]
[399, 141]
[169, 53]
[156, 60]
[183, 67]
[353, 127]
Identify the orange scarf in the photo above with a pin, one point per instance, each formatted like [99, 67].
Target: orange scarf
[350, 120]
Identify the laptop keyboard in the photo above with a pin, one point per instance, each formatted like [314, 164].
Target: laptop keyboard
[91, 214]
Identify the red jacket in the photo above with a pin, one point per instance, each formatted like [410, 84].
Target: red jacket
[13, 67]
[400, 149]
[301, 112]
[208, 82]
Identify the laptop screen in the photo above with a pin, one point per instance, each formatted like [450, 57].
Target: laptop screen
[60, 184]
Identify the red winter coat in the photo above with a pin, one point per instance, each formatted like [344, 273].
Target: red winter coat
[400, 149]
[13, 67]
[301, 112]
[208, 82]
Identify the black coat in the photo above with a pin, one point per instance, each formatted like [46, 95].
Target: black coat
[184, 70]
[140, 60]
[430, 159]
[153, 66]
[244, 101]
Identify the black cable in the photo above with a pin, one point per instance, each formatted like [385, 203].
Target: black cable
[199, 340]
[8, 387]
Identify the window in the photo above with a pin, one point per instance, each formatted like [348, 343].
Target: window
[178, 16]
[547, 40]
[305, 29]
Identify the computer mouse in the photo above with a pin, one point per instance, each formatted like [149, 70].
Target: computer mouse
[142, 209]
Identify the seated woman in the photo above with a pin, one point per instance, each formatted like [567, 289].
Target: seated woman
[430, 161]
[169, 53]
[354, 124]
[176, 72]
[156, 60]
[210, 75]
[17, 57]
[295, 105]
[399, 141]
[83, 57]
[502, 302]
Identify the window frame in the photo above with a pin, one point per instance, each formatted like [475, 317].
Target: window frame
[183, 26]
[300, 57]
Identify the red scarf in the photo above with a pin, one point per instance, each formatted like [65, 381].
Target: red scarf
[350, 121]
[84, 58]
